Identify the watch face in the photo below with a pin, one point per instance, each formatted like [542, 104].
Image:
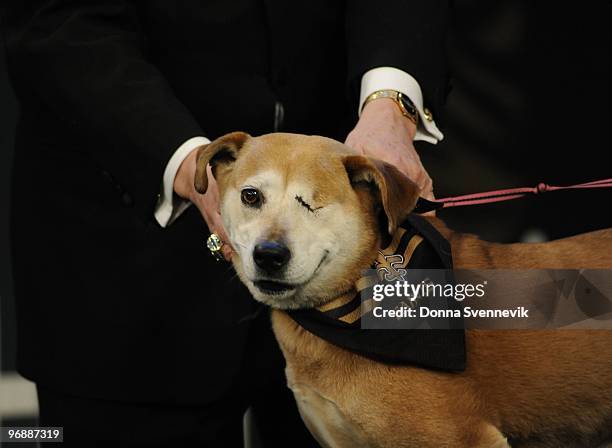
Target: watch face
[408, 105]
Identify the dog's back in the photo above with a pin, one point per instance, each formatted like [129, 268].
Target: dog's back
[591, 250]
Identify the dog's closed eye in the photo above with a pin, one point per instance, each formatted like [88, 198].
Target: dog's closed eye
[305, 204]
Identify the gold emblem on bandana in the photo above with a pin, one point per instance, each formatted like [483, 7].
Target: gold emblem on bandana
[390, 268]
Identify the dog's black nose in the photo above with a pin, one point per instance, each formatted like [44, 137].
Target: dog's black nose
[271, 256]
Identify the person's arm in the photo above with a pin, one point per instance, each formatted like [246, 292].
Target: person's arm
[409, 35]
[86, 63]
[397, 45]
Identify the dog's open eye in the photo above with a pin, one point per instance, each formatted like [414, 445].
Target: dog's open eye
[251, 197]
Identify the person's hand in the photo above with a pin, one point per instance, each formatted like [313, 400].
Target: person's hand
[207, 204]
[384, 133]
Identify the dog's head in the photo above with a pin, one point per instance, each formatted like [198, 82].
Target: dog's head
[304, 214]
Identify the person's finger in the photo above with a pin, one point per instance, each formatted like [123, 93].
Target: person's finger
[217, 228]
[207, 219]
[227, 248]
[227, 252]
[427, 191]
[213, 191]
[358, 147]
[207, 215]
[220, 230]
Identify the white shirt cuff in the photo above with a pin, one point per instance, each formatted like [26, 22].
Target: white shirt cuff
[390, 78]
[170, 206]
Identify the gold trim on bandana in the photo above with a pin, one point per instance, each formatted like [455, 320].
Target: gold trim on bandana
[336, 303]
[412, 245]
[392, 247]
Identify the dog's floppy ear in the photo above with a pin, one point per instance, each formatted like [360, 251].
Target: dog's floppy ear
[397, 193]
[222, 151]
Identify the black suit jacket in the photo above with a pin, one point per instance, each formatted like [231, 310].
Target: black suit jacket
[109, 303]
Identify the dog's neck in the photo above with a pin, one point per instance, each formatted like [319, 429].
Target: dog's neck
[338, 300]
[383, 241]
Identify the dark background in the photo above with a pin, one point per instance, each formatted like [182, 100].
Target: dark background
[530, 102]
[8, 119]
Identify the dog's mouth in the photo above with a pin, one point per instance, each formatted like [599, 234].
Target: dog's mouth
[271, 287]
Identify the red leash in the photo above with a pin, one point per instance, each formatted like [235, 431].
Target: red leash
[487, 197]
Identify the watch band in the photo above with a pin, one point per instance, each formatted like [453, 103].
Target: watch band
[406, 106]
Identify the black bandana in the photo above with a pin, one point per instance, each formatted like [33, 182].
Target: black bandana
[415, 245]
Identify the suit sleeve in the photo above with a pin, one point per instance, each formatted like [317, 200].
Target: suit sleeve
[86, 63]
[406, 34]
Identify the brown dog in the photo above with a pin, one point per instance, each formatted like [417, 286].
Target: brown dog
[302, 215]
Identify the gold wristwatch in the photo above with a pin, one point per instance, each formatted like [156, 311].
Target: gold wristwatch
[406, 106]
